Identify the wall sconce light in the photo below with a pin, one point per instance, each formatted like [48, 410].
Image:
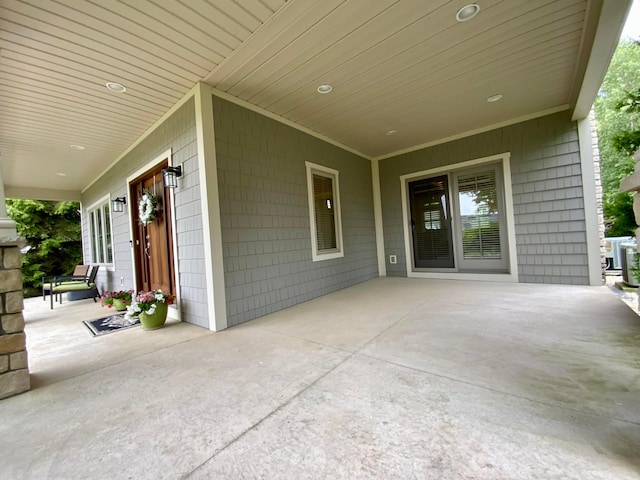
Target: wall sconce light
[117, 204]
[170, 176]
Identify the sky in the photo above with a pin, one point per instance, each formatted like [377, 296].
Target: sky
[632, 26]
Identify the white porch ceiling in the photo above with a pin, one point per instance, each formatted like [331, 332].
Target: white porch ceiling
[404, 65]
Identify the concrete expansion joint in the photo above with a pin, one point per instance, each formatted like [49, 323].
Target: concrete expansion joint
[127, 360]
[272, 413]
[498, 391]
[351, 354]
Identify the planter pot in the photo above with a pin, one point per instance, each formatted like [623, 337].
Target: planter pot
[156, 319]
[120, 305]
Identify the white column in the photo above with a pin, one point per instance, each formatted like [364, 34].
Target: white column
[377, 212]
[210, 198]
[8, 233]
[594, 259]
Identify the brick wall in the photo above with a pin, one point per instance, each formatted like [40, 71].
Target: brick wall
[547, 195]
[14, 370]
[265, 217]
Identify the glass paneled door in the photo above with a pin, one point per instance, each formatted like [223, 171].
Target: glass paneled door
[480, 216]
[458, 221]
[431, 223]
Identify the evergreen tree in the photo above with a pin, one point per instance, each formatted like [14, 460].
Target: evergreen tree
[53, 235]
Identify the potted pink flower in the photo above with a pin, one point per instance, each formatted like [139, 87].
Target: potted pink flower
[150, 308]
[119, 300]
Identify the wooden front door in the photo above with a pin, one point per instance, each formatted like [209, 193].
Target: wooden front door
[153, 243]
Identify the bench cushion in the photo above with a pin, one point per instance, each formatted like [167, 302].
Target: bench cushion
[73, 287]
[48, 286]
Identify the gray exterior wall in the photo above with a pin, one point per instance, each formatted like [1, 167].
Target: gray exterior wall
[547, 195]
[178, 132]
[265, 217]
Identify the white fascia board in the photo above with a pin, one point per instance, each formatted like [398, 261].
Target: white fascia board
[610, 25]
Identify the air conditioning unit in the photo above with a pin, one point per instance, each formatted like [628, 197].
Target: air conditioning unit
[628, 252]
[612, 251]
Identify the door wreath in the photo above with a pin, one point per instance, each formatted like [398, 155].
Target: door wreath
[147, 207]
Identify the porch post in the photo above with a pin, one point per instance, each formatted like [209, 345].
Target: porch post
[592, 194]
[7, 226]
[210, 198]
[14, 369]
[377, 212]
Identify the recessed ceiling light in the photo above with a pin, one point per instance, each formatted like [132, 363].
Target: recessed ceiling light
[77, 147]
[324, 88]
[116, 87]
[391, 132]
[494, 98]
[467, 12]
[60, 174]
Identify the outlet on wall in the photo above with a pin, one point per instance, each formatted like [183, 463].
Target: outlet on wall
[393, 259]
[122, 281]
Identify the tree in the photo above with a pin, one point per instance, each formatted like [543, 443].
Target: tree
[53, 235]
[613, 117]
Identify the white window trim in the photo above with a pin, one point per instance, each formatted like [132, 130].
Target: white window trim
[338, 252]
[512, 276]
[98, 204]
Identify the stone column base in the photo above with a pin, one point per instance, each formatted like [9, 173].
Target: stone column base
[14, 368]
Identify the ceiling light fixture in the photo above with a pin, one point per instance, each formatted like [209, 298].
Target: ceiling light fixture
[467, 12]
[391, 132]
[77, 147]
[325, 88]
[494, 98]
[60, 174]
[116, 87]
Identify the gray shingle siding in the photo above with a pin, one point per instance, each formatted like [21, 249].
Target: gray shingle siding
[547, 195]
[178, 132]
[265, 217]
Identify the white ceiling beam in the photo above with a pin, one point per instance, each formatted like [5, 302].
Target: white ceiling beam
[28, 193]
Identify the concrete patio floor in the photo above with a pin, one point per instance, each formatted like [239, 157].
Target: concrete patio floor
[395, 378]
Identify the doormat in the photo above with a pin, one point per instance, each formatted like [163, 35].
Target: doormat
[113, 323]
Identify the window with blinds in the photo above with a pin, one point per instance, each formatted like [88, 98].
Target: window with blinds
[458, 220]
[431, 223]
[324, 212]
[479, 220]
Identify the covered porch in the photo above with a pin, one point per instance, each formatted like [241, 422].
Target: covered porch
[391, 378]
